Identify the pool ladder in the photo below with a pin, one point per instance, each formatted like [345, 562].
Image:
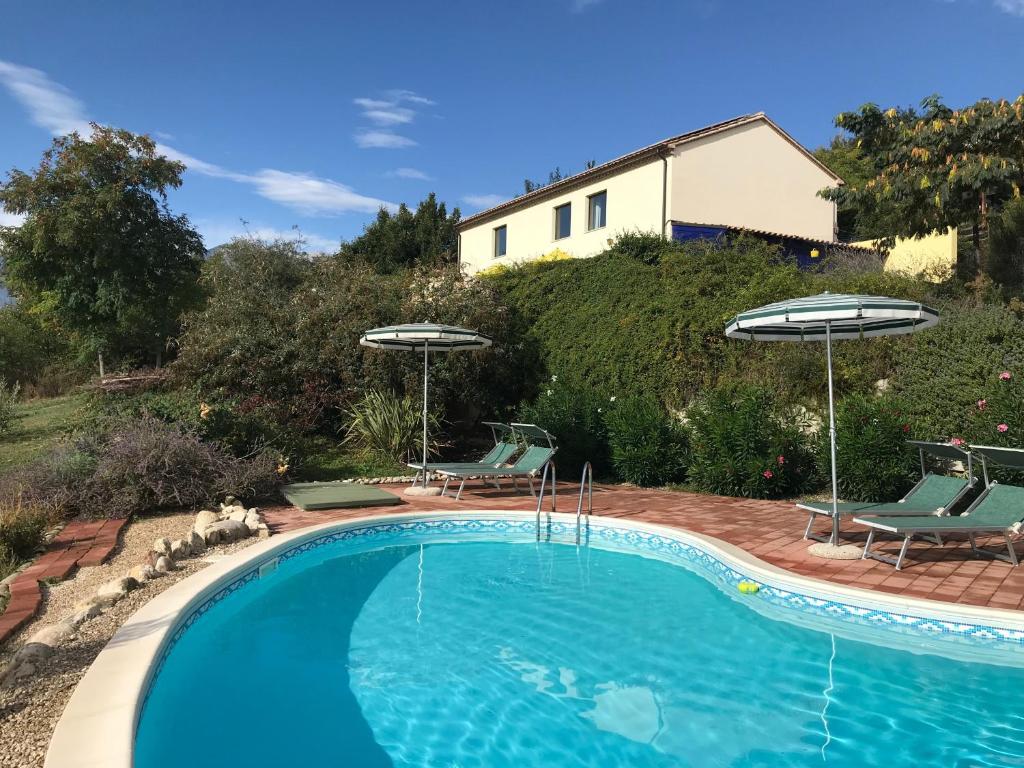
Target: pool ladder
[586, 490]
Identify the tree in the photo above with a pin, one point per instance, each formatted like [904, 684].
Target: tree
[1004, 261]
[855, 168]
[99, 247]
[556, 175]
[937, 168]
[404, 239]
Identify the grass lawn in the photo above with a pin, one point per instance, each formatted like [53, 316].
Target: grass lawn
[38, 424]
[333, 461]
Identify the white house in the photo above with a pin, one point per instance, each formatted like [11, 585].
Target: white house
[745, 173]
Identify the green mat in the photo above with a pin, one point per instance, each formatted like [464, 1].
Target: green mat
[309, 496]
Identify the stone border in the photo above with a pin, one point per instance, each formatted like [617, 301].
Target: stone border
[97, 727]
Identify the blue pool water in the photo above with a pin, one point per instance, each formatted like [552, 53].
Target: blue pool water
[540, 654]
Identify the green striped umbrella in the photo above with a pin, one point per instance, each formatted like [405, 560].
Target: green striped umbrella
[425, 338]
[825, 317]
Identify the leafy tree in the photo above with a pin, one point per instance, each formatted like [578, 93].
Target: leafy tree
[529, 185]
[99, 247]
[855, 168]
[404, 239]
[937, 168]
[1005, 259]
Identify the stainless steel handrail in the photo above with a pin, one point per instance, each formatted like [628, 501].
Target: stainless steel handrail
[554, 491]
[586, 483]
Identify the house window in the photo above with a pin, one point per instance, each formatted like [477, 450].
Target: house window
[597, 210]
[563, 219]
[500, 241]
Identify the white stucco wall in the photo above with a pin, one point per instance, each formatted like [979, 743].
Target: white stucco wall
[634, 203]
[753, 177]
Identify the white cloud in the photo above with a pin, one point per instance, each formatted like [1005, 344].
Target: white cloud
[50, 105]
[10, 219]
[1015, 7]
[483, 201]
[369, 138]
[409, 173]
[384, 114]
[312, 195]
[53, 107]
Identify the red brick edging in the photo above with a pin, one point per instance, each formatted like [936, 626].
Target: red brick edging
[78, 544]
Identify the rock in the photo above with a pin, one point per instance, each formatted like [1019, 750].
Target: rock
[230, 501]
[263, 531]
[164, 564]
[143, 572]
[53, 635]
[196, 543]
[90, 603]
[180, 549]
[113, 591]
[226, 531]
[31, 652]
[91, 611]
[203, 519]
[252, 520]
[162, 546]
[24, 670]
[237, 514]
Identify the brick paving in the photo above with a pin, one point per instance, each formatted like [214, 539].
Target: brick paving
[770, 530]
[79, 544]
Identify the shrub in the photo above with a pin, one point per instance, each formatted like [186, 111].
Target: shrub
[574, 414]
[22, 527]
[998, 419]
[141, 466]
[648, 447]
[873, 462]
[942, 373]
[740, 447]
[8, 401]
[389, 426]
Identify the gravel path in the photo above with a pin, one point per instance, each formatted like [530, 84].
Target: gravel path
[29, 709]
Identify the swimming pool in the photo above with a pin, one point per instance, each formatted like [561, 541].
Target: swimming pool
[468, 642]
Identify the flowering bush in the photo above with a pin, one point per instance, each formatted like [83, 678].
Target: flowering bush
[872, 459]
[648, 446]
[998, 419]
[740, 446]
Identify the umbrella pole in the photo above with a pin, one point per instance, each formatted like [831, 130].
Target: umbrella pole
[426, 368]
[832, 436]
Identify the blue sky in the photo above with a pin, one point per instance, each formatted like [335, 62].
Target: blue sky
[313, 114]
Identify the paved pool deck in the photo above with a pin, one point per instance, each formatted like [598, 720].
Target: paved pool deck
[770, 530]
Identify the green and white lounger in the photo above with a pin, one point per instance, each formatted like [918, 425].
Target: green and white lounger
[528, 466]
[505, 447]
[998, 510]
[933, 494]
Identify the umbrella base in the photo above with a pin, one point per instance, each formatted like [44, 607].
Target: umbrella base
[836, 551]
[419, 490]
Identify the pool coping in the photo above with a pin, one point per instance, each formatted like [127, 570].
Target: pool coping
[97, 727]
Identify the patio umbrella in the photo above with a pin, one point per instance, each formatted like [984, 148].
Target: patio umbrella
[425, 338]
[825, 317]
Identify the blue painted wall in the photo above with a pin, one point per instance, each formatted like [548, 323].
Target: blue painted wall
[795, 247]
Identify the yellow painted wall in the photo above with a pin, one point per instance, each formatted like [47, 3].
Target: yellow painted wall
[634, 203]
[934, 256]
[751, 177]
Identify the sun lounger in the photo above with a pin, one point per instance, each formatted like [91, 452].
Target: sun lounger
[998, 510]
[932, 495]
[528, 466]
[505, 447]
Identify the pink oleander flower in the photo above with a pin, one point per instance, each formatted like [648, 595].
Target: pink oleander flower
[982, 405]
[1005, 376]
[781, 460]
[768, 474]
[957, 441]
[1002, 427]
[906, 428]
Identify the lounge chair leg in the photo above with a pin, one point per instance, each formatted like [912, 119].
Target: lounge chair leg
[974, 545]
[462, 485]
[903, 551]
[515, 484]
[867, 544]
[444, 491]
[533, 491]
[1010, 550]
[810, 525]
